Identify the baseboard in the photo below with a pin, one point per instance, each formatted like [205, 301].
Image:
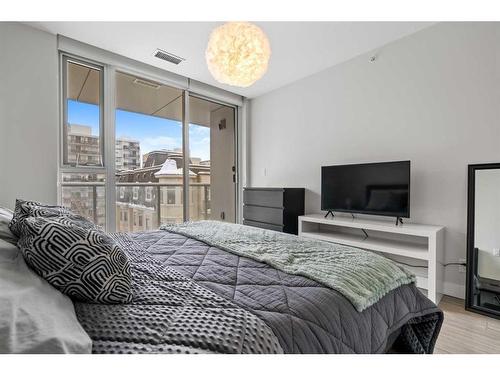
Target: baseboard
[454, 290]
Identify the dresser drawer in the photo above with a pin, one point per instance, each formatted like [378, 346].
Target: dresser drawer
[278, 228]
[263, 214]
[276, 208]
[266, 198]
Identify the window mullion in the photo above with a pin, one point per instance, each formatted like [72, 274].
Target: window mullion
[109, 94]
[185, 153]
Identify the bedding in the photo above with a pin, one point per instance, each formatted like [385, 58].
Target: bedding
[361, 276]
[83, 263]
[305, 316]
[35, 317]
[170, 313]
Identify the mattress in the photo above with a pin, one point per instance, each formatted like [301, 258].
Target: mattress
[277, 312]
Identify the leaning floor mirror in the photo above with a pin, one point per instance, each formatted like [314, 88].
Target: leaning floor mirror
[483, 240]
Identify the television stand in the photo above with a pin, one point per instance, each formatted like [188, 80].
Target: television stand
[329, 213]
[414, 244]
[399, 220]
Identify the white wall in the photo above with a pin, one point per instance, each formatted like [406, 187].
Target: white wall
[432, 98]
[28, 114]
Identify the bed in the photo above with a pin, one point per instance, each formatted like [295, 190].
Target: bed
[200, 287]
[303, 315]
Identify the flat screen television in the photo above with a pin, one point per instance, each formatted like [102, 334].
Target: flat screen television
[374, 188]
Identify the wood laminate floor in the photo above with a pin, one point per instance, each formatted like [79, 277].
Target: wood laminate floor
[465, 332]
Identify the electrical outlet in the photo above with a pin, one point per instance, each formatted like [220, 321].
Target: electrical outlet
[496, 252]
[462, 269]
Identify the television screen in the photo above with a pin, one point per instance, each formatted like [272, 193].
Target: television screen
[375, 188]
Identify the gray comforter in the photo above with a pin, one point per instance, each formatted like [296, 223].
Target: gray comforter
[171, 313]
[190, 297]
[306, 316]
[361, 276]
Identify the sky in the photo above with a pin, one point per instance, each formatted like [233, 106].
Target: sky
[153, 133]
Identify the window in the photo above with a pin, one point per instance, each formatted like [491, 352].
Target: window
[170, 195]
[82, 142]
[83, 113]
[149, 194]
[84, 193]
[146, 152]
[149, 127]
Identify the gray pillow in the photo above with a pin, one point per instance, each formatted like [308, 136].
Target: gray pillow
[5, 233]
[83, 263]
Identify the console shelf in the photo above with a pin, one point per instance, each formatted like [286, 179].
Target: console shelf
[423, 243]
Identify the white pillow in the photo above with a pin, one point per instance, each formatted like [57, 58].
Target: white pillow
[34, 316]
[5, 233]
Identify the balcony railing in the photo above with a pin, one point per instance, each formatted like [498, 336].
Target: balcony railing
[154, 203]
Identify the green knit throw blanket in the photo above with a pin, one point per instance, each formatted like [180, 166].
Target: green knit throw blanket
[359, 275]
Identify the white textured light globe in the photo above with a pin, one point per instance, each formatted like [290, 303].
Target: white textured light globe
[238, 53]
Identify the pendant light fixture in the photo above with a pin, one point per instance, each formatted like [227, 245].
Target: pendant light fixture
[238, 53]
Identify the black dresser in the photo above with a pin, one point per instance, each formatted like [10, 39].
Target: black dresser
[273, 208]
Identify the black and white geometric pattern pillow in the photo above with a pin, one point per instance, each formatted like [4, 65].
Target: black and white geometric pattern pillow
[25, 209]
[83, 263]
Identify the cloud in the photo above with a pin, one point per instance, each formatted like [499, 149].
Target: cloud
[198, 130]
[200, 148]
[159, 143]
[199, 141]
[205, 141]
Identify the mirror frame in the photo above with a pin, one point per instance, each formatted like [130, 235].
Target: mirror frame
[471, 195]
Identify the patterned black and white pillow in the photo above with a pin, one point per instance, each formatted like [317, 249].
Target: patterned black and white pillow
[25, 209]
[84, 263]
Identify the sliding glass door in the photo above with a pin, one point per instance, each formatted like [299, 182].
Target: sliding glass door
[212, 179]
[169, 164]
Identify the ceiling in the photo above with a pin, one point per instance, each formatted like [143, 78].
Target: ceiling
[299, 49]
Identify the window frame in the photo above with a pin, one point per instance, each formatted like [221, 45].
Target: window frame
[65, 168]
[65, 59]
[148, 193]
[171, 190]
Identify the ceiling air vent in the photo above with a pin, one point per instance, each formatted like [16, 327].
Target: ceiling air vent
[168, 57]
[149, 84]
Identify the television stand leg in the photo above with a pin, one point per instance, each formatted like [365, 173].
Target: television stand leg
[329, 213]
[399, 221]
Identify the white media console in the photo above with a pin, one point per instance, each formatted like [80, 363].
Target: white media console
[415, 244]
